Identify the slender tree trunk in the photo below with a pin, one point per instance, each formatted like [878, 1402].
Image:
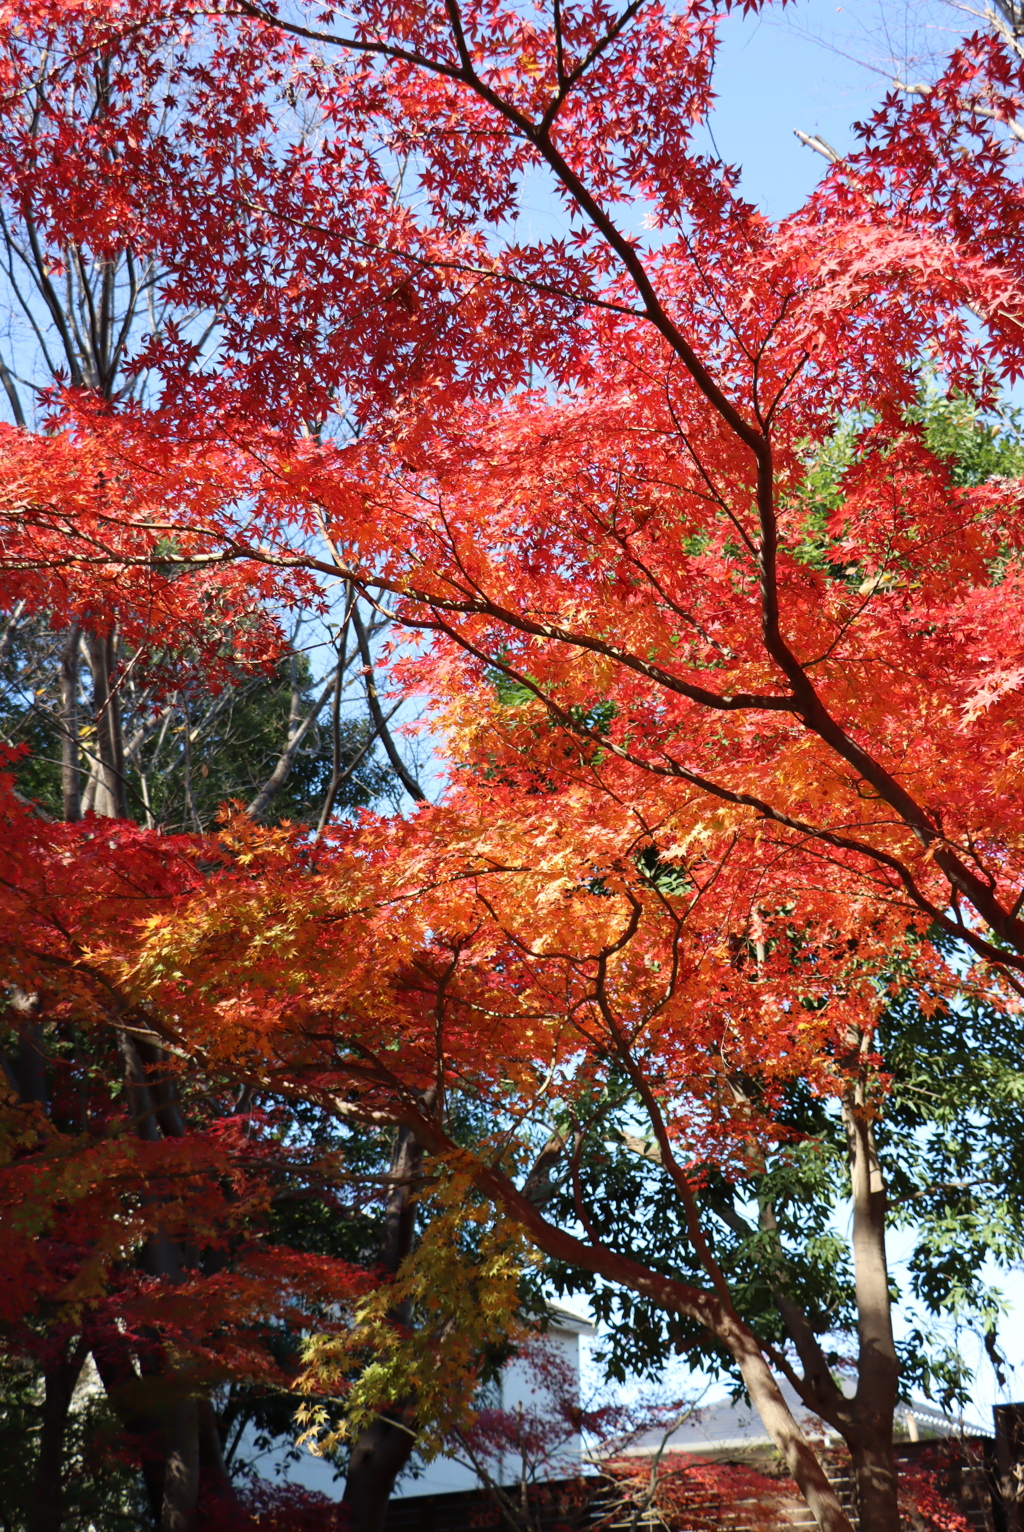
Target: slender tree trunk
[110, 798]
[181, 1467]
[298, 727]
[124, 1389]
[71, 777]
[870, 1440]
[382, 1450]
[797, 1452]
[380, 724]
[216, 1477]
[186, 743]
[866, 1421]
[48, 1488]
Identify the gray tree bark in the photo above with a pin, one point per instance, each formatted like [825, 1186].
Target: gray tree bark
[71, 777]
[878, 1369]
[110, 798]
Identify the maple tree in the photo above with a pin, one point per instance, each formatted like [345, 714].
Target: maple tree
[191, 658]
[722, 754]
[135, 1218]
[946, 1136]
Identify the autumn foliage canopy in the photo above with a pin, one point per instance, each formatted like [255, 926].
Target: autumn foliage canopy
[722, 659]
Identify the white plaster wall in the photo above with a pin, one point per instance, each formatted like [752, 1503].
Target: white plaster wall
[518, 1385]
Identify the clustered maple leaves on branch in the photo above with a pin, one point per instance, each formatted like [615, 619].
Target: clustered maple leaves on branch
[739, 345]
[95, 536]
[722, 749]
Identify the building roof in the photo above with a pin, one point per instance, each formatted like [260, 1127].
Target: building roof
[562, 1318]
[734, 1425]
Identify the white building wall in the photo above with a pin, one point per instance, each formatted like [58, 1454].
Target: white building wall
[519, 1386]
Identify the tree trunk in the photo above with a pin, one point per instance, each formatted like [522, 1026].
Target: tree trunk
[297, 729]
[124, 1389]
[162, 1090]
[181, 1467]
[31, 1058]
[71, 778]
[110, 797]
[190, 1438]
[378, 1456]
[797, 1452]
[382, 1450]
[48, 1488]
[865, 1421]
[878, 1370]
[214, 1470]
[875, 1483]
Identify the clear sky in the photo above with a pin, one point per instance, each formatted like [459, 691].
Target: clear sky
[818, 67]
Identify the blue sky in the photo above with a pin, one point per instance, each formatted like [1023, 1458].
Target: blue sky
[819, 67]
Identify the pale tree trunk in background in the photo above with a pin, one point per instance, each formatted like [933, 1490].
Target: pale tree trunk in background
[31, 1058]
[298, 727]
[870, 1441]
[181, 1467]
[380, 723]
[109, 798]
[71, 780]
